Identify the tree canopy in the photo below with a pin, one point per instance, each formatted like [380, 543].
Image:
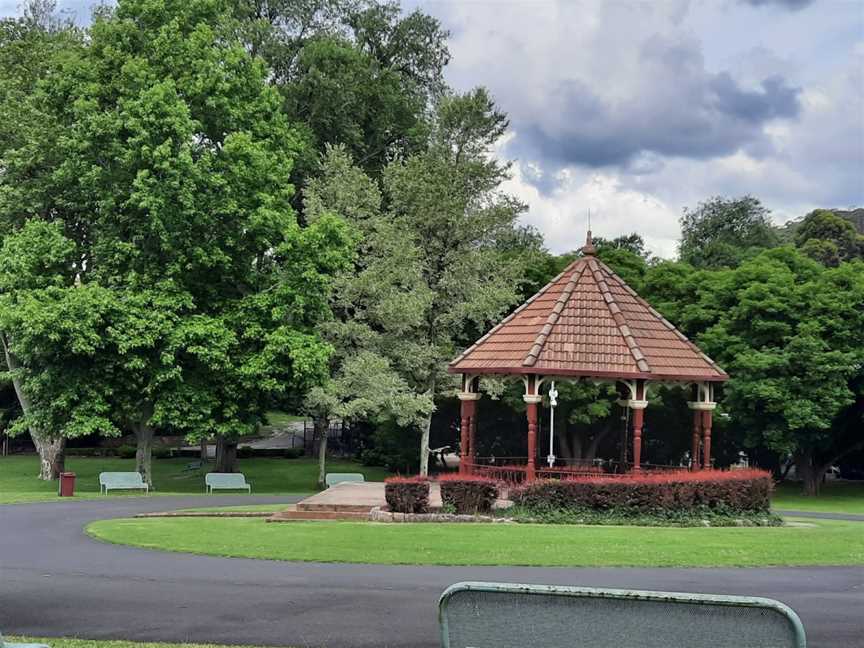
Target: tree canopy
[722, 232]
[168, 196]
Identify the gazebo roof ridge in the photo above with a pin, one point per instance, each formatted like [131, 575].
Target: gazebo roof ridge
[588, 322]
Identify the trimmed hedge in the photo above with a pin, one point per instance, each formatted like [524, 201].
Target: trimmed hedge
[407, 494]
[468, 494]
[739, 490]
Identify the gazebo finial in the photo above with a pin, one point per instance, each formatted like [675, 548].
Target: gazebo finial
[588, 249]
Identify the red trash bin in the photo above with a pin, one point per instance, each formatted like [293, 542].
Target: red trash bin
[67, 484]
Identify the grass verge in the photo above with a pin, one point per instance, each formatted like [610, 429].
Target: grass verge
[836, 497]
[702, 517]
[18, 481]
[821, 542]
[63, 642]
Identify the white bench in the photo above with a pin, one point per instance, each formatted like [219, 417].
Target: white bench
[331, 479]
[122, 481]
[226, 481]
[6, 644]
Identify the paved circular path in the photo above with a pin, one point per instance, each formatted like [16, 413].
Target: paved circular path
[55, 581]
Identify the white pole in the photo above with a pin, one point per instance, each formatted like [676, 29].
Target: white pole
[553, 401]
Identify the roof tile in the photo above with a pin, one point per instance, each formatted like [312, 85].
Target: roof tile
[588, 322]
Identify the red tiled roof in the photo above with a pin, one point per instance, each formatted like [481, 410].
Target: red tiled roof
[588, 322]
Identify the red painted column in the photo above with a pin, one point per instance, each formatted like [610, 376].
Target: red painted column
[464, 438]
[638, 407]
[472, 434]
[531, 411]
[706, 439]
[638, 417]
[697, 432]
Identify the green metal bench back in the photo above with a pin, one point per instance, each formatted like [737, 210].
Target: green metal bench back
[225, 480]
[503, 615]
[337, 478]
[121, 479]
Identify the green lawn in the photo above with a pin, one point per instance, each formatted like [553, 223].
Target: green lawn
[283, 419]
[18, 482]
[836, 497]
[816, 543]
[101, 643]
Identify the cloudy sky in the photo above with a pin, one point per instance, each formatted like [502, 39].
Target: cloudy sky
[635, 110]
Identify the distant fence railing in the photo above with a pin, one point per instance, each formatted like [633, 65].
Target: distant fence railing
[513, 470]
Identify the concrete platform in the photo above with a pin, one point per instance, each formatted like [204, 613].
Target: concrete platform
[345, 501]
[356, 497]
[352, 501]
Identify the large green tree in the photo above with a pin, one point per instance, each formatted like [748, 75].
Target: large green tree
[32, 47]
[449, 211]
[374, 303]
[358, 73]
[171, 183]
[721, 232]
[791, 335]
[828, 238]
[441, 256]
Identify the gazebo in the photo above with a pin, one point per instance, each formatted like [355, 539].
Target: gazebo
[588, 324]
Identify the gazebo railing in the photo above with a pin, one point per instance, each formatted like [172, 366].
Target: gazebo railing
[513, 470]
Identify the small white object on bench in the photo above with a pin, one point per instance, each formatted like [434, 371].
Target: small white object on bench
[122, 481]
[6, 644]
[226, 481]
[331, 479]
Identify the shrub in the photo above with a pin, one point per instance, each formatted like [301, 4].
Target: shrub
[293, 453]
[89, 452]
[741, 490]
[126, 451]
[407, 494]
[468, 494]
[162, 452]
[372, 457]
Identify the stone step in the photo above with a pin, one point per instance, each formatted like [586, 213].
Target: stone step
[296, 516]
[340, 508]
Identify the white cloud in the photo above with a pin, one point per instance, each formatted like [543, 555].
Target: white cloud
[676, 146]
[562, 215]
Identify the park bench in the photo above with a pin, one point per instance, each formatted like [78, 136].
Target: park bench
[121, 481]
[331, 479]
[226, 481]
[6, 644]
[507, 615]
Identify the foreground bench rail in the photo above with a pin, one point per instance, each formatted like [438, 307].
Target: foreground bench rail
[515, 616]
[122, 481]
[331, 479]
[6, 644]
[226, 481]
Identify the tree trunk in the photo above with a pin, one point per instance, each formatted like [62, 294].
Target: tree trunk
[562, 435]
[810, 474]
[144, 452]
[594, 446]
[564, 448]
[51, 449]
[226, 455]
[204, 457]
[320, 427]
[424, 446]
[52, 456]
[576, 444]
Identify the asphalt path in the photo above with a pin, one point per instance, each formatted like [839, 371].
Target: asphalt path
[56, 581]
